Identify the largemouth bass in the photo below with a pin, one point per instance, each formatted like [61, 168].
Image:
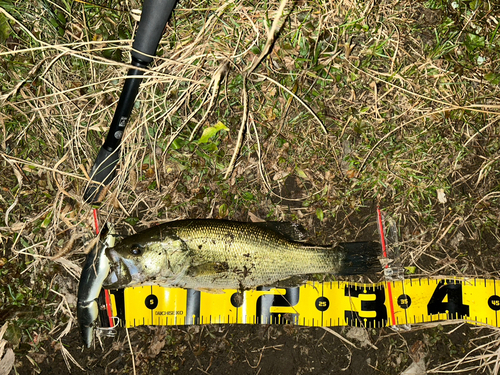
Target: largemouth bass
[218, 254]
[95, 270]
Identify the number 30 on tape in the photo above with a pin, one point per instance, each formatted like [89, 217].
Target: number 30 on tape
[315, 304]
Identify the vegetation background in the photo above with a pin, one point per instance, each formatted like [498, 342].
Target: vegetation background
[357, 104]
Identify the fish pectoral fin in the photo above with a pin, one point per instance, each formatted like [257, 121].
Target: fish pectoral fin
[208, 269]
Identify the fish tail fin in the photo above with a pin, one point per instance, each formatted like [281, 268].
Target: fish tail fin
[359, 258]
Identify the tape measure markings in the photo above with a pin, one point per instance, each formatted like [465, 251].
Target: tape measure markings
[333, 304]
[490, 300]
[391, 303]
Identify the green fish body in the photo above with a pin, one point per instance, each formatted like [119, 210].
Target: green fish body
[218, 254]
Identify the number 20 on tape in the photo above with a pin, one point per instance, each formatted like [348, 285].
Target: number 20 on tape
[339, 303]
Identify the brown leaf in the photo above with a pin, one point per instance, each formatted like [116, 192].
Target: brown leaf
[7, 362]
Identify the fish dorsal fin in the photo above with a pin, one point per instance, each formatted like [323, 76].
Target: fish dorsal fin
[291, 231]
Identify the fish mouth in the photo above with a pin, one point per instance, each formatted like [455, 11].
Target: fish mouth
[119, 274]
[113, 255]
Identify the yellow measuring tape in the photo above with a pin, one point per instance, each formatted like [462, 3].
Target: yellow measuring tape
[338, 303]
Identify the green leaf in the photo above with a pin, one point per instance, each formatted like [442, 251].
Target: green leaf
[473, 41]
[61, 18]
[411, 270]
[223, 210]
[132, 220]
[177, 144]
[474, 4]
[211, 131]
[304, 47]
[492, 78]
[255, 50]
[210, 147]
[301, 173]
[47, 220]
[319, 214]
[247, 195]
[5, 29]
[123, 33]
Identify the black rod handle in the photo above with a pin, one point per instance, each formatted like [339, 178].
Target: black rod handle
[155, 15]
[103, 170]
[123, 109]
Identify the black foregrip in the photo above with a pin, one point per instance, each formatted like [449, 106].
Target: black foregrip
[123, 109]
[155, 15]
[103, 169]
[102, 172]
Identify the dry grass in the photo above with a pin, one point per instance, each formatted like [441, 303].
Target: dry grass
[403, 97]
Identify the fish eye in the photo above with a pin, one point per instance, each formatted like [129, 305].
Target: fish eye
[136, 250]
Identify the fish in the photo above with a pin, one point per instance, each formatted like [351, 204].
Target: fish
[212, 255]
[94, 272]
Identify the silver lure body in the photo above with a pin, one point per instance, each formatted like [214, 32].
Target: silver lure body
[95, 270]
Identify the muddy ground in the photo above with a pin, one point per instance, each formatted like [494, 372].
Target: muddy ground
[266, 349]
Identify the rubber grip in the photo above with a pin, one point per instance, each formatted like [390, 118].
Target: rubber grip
[155, 15]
